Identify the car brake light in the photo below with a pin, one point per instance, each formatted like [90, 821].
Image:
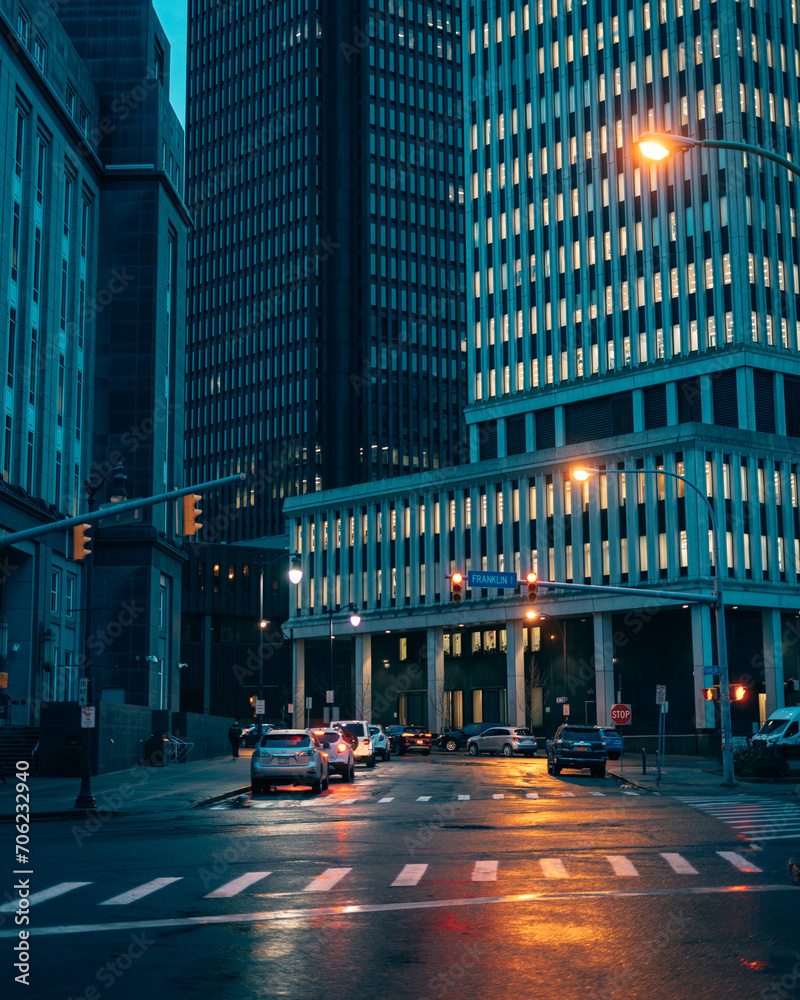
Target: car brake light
[341, 747]
[319, 732]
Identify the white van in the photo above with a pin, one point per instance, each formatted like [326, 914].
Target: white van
[782, 729]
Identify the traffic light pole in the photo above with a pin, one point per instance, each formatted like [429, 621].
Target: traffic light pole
[118, 508]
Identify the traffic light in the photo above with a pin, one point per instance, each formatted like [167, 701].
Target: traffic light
[711, 693]
[191, 513]
[736, 692]
[456, 587]
[81, 541]
[533, 587]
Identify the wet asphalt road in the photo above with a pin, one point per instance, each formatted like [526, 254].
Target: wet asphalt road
[429, 877]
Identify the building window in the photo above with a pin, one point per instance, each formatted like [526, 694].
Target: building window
[55, 588]
[41, 167]
[39, 53]
[7, 450]
[19, 143]
[69, 596]
[23, 26]
[12, 345]
[15, 226]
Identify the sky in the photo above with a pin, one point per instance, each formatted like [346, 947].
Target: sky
[172, 14]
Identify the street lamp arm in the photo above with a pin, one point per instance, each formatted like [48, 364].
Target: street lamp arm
[746, 147]
[659, 145]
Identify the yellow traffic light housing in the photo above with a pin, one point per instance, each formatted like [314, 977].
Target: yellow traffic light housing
[711, 693]
[533, 587]
[456, 587]
[191, 514]
[81, 540]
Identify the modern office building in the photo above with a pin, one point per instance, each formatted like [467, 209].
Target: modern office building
[93, 335]
[327, 269]
[621, 316]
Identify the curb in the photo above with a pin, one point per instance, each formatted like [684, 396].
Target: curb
[218, 798]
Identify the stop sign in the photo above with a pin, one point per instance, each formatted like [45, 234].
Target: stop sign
[621, 714]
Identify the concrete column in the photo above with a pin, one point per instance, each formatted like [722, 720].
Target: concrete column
[515, 673]
[364, 676]
[603, 666]
[206, 654]
[299, 683]
[704, 667]
[435, 659]
[773, 659]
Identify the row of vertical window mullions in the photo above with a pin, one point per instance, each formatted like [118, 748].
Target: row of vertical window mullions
[634, 506]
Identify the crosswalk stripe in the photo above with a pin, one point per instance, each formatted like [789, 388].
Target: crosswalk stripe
[347, 802]
[531, 795]
[553, 868]
[390, 798]
[44, 894]
[410, 875]
[327, 880]
[424, 798]
[624, 792]
[679, 864]
[498, 796]
[145, 889]
[463, 798]
[596, 793]
[621, 865]
[484, 871]
[568, 795]
[738, 861]
[236, 885]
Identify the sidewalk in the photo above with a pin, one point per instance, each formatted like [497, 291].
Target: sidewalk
[693, 776]
[139, 789]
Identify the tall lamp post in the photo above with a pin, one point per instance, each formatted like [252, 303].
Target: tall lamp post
[581, 475]
[295, 575]
[355, 621]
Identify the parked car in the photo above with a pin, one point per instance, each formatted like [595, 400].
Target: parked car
[364, 751]
[341, 759]
[614, 742]
[506, 740]
[457, 739]
[380, 742]
[249, 736]
[288, 757]
[578, 747]
[406, 739]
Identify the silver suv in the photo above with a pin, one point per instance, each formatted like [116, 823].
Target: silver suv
[506, 740]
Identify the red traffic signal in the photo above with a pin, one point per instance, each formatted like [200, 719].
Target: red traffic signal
[191, 514]
[81, 541]
[711, 693]
[533, 587]
[456, 587]
[736, 692]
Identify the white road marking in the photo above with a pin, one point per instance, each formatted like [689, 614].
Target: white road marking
[390, 798]
[679, 864]
[621, 865]
[410, 875]
[347, 802]
[327, 880]
[350, 909]
[553, 868]
[237, 885]
[463, 798]
[531, 795]
[596, 793]
[484, 871]
[567, 795]
[629, 793]
[498, 796]
[145, 889]
[738, 861]
[44, 894]
[424, 798]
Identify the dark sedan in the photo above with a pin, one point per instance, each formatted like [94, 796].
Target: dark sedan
[407, 739]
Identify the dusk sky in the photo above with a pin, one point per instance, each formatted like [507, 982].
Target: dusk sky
[172, 14]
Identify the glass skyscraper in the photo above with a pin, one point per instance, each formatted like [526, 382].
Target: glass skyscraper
[327, 265]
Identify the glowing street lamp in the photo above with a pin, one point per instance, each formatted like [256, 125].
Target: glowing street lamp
[658, 146]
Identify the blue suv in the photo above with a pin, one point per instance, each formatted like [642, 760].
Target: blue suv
[614, 743]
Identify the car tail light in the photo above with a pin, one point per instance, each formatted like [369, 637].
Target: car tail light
[368, 744]
[341, 747]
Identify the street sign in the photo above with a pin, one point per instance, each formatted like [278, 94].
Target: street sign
[290, 709]
[83, 691]
[566, 710]
[309, 702]
[329, 697]
[87, 716]
[621, 714]
[661, 694]
[3, 680]
[477, 578]
[561, 700]
[259, 706]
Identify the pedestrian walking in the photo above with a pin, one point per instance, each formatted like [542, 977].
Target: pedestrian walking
[234, 735]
